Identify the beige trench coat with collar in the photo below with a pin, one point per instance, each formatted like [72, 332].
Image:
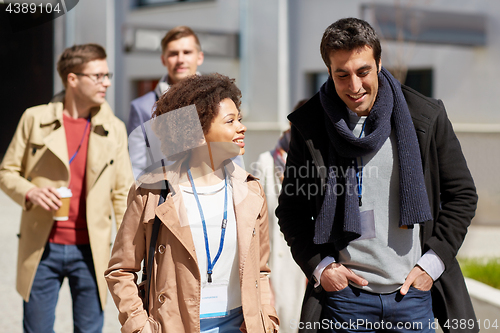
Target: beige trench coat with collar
[175, 287]
[38, 156]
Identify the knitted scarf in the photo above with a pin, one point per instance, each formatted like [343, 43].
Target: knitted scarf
[338, 221]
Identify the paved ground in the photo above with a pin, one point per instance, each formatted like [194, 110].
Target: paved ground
[480, 241]
[11, 307]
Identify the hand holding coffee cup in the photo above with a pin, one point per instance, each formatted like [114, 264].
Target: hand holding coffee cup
[46, 197]
[62, 213]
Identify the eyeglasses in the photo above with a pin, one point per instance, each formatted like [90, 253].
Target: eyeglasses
[97, 78]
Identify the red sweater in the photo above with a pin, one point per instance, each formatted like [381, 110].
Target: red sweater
[74, 230]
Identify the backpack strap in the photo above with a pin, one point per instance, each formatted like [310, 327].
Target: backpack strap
[152, 246]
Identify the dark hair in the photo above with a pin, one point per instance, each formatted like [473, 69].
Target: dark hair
[348, 34]
[74, 58]
[178, 33]
[205, 92]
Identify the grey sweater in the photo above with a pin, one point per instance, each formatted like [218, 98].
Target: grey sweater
[385, 253]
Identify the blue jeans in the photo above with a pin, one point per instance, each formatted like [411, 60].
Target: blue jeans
[355, 310]
[60, 261]
[229, 324]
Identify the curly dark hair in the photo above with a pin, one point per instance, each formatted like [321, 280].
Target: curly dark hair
[178, 133]
[348, 34]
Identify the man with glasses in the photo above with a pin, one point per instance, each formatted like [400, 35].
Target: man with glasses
[74, 142]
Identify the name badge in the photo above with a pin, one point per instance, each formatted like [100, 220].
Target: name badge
[367, 225]
[214, 300]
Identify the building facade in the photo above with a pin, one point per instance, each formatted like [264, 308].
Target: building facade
[271, 48]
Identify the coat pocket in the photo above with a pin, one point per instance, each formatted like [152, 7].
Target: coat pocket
[267, 323]
[152, 326]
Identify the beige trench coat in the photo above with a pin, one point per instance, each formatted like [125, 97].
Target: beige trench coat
[175, 287]
[38, 156]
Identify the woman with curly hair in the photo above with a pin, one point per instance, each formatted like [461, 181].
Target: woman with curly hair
[207, 270]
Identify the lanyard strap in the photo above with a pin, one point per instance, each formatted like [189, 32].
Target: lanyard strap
[211, 264]
[359, 171]
[81, 141]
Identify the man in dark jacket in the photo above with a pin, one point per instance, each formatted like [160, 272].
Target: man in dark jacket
[376, 199]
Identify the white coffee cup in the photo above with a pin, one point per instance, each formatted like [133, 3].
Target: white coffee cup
[62, 213]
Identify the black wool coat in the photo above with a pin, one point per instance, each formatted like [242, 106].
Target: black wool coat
[450, 188]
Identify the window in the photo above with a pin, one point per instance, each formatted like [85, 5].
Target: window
[144, 86]
[427, 26]
[315, 81]
[418, 79]
[141, 3]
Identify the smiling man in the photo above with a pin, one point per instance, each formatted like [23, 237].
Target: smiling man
[181, 55]
[355, 76]
[74, 142]
[377, 219]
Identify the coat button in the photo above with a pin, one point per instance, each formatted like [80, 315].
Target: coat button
[161, 249]
[253, 232]
[161, 298]
[256, 284]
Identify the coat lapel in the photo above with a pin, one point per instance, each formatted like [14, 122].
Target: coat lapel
[172, 214]
[100, 148]
[98, 157]
[247, 207]
[55, 141]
